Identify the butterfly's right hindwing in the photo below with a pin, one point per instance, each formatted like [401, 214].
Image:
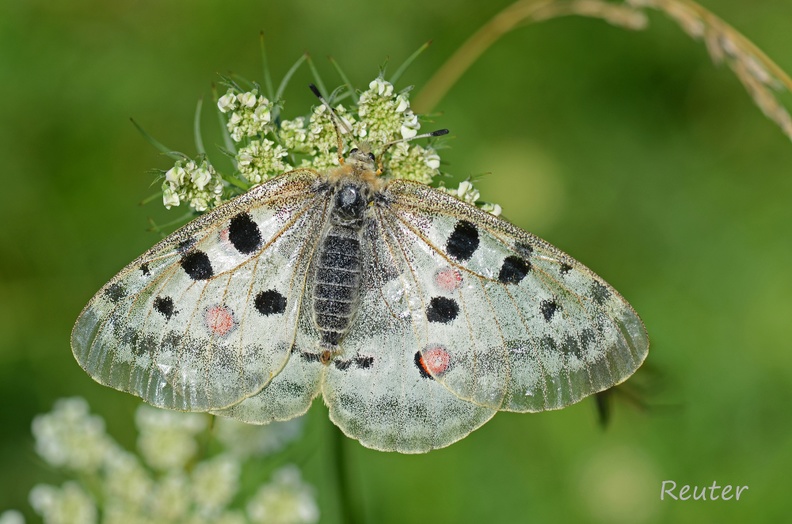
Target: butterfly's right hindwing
[376, 391]
[208, 316]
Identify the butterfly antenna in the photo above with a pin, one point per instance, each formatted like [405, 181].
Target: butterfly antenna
[336, 123]
[439, 132]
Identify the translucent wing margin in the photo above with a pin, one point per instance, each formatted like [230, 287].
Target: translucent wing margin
[208, 316]
[505, 320]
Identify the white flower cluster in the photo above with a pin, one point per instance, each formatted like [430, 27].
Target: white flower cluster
[249, 114]
[381, 116]
[267, 147]
[387, 116]
[413, 162]
[197, 184]
[320, 142]
[286, 500]
[167, 483]
[70, 437]
[261, 160]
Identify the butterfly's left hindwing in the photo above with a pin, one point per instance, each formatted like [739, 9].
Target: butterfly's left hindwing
[208, 316]
[503, 319]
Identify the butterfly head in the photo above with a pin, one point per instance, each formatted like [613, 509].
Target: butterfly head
[361, 158]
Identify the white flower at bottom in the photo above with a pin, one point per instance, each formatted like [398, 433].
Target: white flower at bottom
[285, 500]
[249, 440]
[167, 438]
[126, 480]
[71, 437]
[215, 483]
[171, 498]
[69, 504]
[12, 516]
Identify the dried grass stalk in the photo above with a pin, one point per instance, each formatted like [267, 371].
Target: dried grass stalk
[761, 77]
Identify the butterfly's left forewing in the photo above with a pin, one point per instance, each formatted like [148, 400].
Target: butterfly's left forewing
[208, 316]
[505, 320]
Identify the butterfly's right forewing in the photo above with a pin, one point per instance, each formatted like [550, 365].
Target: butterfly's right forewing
[208, 316]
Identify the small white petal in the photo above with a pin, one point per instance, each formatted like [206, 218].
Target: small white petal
[227, 102]
[464, 187]
[175, 175]
[408, 132]
[247, 99]
[200, 177]
[402, 104]
[170, 198]
[433, 161]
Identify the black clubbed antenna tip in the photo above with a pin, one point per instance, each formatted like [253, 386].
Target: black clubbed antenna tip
[439, 132]
[315, 91]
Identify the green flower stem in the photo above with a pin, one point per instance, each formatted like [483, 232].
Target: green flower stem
[340, 469]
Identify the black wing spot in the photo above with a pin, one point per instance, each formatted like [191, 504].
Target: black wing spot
[599, 292]
[364, 362]
[342, 365]
[442, 309]
[197, 266]
[164, 306]
[270, 302]
[244, 234]
[549, 344]
[310, 357]
[145, 269]
[588, 338]
[464, 241]
[549, 308]
[115, 292]
[572, 345]
[565, 268]
[513, 270]
[418, 359]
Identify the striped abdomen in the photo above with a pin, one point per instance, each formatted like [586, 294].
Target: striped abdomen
[337, 282]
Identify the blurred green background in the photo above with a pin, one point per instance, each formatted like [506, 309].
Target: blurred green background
[630, 151]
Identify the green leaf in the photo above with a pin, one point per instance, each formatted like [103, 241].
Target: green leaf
[199, 146]
[402, 68]
[159, 145]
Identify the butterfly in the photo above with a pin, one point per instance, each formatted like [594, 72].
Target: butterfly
[415, 315]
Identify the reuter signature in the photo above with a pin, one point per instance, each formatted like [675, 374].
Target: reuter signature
[687, 492]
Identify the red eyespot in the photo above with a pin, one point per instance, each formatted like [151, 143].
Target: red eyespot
[220, 320]
[435, 360]
[448, 279]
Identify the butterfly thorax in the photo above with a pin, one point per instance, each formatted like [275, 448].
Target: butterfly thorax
[338, 265]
